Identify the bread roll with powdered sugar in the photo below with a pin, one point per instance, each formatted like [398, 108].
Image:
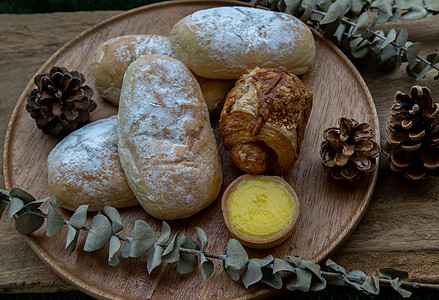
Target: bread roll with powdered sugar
[84, 168]
[166, 145]
[112, 58]
[225, 42]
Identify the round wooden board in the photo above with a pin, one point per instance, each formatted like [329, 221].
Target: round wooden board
[330, 210]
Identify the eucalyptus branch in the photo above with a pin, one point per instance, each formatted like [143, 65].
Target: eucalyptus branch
[294, 273]
[349, 20]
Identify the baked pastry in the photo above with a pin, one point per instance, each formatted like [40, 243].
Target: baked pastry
[113, 57]
[225, 42]
[263, 120]
[84, 168]
[166, 145]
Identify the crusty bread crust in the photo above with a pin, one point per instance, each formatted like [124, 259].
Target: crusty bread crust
[84, 168]
[225, 42]
[112, 58]
[166, 144]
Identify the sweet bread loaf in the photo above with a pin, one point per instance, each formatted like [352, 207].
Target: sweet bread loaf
[112, 58]
[166, 145]
[84, 168]
[225, 42]
[263, 120]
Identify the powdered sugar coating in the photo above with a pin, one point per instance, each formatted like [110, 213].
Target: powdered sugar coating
[84, 168]
[113, 57]
[163, 127]
[239, 38]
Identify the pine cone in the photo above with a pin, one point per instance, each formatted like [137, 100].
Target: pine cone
[61, 103]
[349, 151]
[413, 134]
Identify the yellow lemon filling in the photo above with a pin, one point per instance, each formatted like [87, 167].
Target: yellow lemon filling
[260, 207]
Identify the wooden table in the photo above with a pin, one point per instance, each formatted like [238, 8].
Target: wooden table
[399, 230]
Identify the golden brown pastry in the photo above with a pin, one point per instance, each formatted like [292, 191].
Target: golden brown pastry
[166, 145]
[113, 57]
[84, 168]
[225, 42]
[263, 120]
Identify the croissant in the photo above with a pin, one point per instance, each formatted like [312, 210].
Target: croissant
[263, 120]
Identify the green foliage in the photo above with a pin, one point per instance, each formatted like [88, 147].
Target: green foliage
[348, 21]
[303, 275]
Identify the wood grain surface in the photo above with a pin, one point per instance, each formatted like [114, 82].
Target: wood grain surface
[330, 210]
[398, 230]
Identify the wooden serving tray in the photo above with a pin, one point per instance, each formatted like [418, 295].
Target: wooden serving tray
[330, 210]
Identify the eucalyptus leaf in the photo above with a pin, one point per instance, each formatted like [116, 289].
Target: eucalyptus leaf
[154, 258]
[432, 5]
[262, 262]
[206, 266]
[143, 238]
[113, 259]
[301, 281]
[236, 256]
[14, 207]
[72, 238]
[340, 32]
[358, 48]
[28, 222]
[357, 284]
[282, 265]
[113, 215]
[234, 275]
[99, 233]
[79, 217]
[416, 12]
[433, 58]
[407, 4]
[402, 38]
[396, 285]
[333, 266]
[22, 195]
[423, 72]
[335, 11]
[55, 221]
[356, 7]
[390, 273]
[306, 14]
[412, 53]
[273, 280]
[371, 285]
[202, 238]
[388, 56]
[34, 204]
[292, 6]
[54, 201]
[4, 194]
[317, 281]
[252, 274]
[165, 235]
[172, 252]
[391, 36]
[187, 262]
[126, 249]
[362, 23]
[385, 11]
